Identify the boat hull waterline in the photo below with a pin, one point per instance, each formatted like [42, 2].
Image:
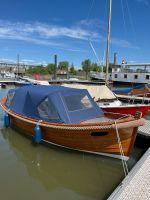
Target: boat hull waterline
[99, 138]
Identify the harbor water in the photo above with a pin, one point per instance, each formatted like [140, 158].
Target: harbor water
[45, 172]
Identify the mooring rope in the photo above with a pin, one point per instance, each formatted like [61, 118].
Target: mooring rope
[125, 167]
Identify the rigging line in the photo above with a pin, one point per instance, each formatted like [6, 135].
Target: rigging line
[89, 13]
[105, 9]
[90, 9]
[123, 17]
[130, 19]
[94, 51]
[125, 167]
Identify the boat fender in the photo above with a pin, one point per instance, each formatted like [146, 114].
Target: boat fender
[37, 134]
[6, 120]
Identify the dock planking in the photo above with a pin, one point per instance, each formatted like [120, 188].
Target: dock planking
[136, 185]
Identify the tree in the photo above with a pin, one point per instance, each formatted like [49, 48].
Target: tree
[72, 70]
[63, 65]
[95, 67]
[86, 65]
[51, 68]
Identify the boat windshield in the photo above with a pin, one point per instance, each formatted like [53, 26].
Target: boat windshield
[46, 110]
[77, 102]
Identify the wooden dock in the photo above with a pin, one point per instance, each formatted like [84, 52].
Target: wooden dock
[145, 129]
[136, 186]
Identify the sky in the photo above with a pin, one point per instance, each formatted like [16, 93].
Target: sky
[37, 30]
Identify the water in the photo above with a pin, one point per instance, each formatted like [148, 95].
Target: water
[47, 172]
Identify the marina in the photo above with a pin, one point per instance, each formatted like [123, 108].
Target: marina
[73, 126]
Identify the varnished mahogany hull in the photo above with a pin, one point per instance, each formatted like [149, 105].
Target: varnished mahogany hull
[98, 138]
[144, 92]
[83, 140]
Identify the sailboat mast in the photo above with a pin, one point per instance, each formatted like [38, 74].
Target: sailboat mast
[18, 65]
[108, 41]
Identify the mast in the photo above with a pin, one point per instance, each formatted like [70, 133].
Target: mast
[18, 65]
[108, 41]
[55, 70]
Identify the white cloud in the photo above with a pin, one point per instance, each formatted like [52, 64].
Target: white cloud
[39, 30]
[43, 34]
[27, 60]
[101, 25]
[51, 35]
[8, 60]
[23, 61]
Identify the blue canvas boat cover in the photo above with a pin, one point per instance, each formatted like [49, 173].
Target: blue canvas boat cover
[53, 103]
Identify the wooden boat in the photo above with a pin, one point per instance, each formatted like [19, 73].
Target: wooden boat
[138, 94]
[70, 118]
[139, 91]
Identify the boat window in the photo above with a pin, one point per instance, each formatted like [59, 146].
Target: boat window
[116, 75]
[147, 77]
[47, 110]
[9, 98]
[125, 75]
[135, 76]
[77, 102]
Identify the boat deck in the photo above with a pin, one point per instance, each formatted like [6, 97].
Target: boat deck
[136, 186]
[133, 98]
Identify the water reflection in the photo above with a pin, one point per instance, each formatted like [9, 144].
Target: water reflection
[88, 176]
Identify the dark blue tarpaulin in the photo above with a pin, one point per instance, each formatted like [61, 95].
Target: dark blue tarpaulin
[67, 105]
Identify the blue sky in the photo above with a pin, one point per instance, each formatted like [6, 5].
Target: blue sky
[37, 30]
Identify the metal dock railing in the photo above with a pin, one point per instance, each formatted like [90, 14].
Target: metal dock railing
[136, 185]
